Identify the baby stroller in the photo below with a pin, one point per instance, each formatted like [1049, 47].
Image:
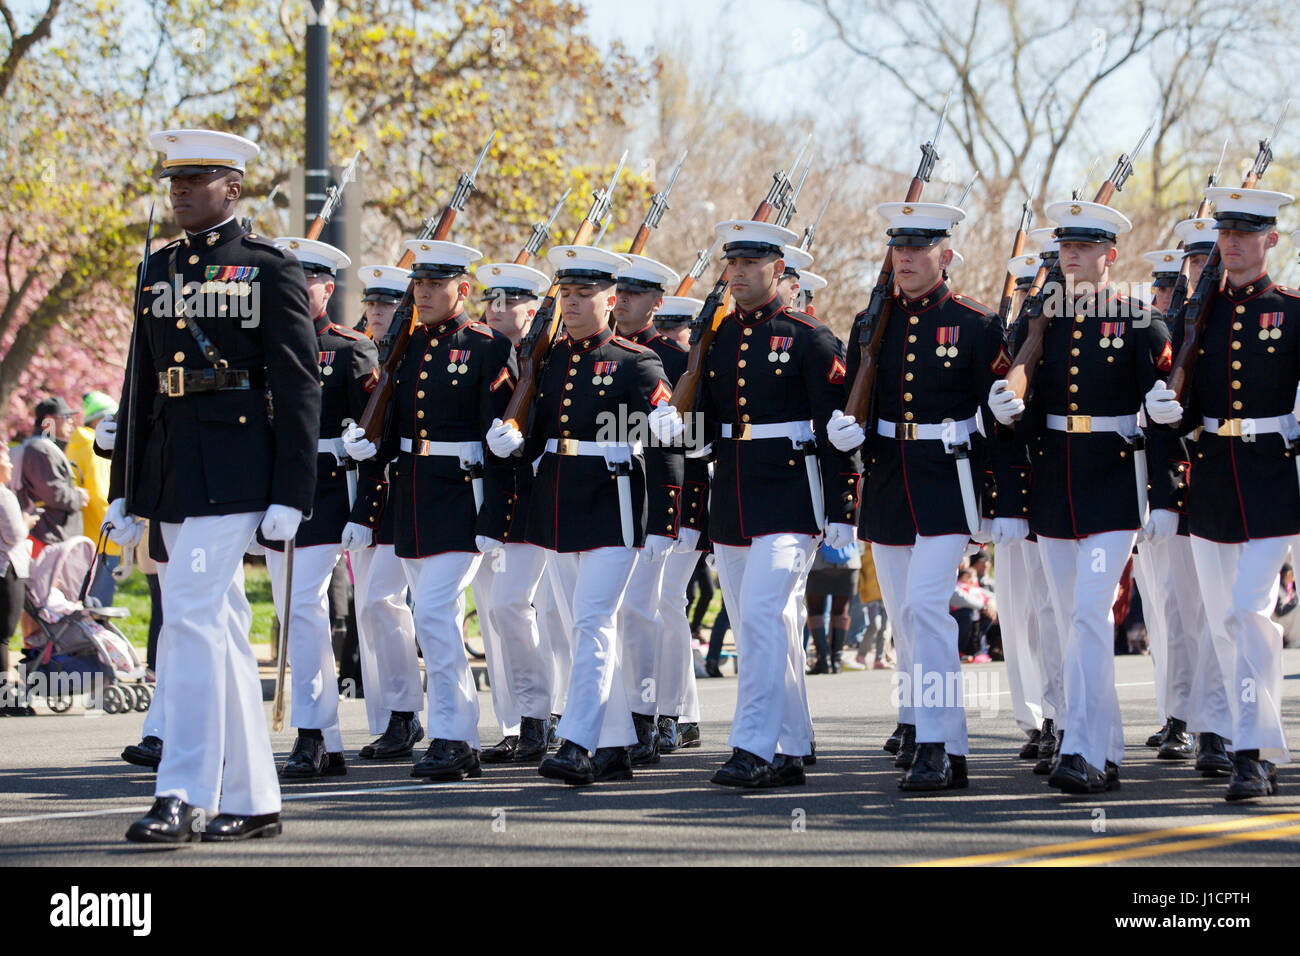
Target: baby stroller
[70, 649]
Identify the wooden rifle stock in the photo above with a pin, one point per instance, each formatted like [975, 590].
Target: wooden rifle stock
[1197, 313]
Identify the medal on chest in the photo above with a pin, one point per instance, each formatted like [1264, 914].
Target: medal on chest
[1270, 325]
[946, 336]
[457, 359]
[326, 363]
[603, 373]
[780, 346]
[1112, 335]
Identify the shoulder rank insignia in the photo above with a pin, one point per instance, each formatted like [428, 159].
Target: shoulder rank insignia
[1001, 364]
[1166, 360]
[836, 375]
[503, 378]
[661, 394]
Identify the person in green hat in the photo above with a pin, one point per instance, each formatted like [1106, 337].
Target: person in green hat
[91, 472]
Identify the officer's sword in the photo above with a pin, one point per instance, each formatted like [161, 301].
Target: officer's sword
[277, 707]
[349, 473]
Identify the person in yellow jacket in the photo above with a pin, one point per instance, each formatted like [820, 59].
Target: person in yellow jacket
[92, 474]
[874, 609]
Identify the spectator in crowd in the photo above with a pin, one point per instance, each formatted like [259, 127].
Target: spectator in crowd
[834, 574]
[874, 611]
[713, 660]
[965, 605]
[46, 483]
[700, 593]
[92, 474]
[15, 563]
[1285, 611]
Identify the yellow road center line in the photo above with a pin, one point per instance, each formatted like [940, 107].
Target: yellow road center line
[1162, 849]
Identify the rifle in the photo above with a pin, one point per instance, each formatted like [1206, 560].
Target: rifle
[788, 207]
[870, 324]
[809, 231]
[541, 232]
[372, 419]
[128, 433]
[535, 346]
[1179, 295]
[705, 325]
[247, 221]
[1017, 249]
[1201, 302]
[333, 196]
[658, 204]
[1052, 278]
[702, 260]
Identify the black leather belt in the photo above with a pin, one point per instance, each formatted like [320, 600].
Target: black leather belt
[178, 381]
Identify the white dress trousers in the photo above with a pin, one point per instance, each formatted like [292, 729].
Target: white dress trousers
[588, 587]
[676, 664]
[1239, 583]
[557, 642]
[640, 634]
[390, 663]
[438, 585]
[1083, 577]
[916, 584]
[1019, 633]
[217, 752]
[760, 585]
[313, 674]
[519, 667]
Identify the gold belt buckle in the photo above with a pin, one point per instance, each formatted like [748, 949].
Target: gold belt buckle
[175, 382]
[1230, 428]
[421, 447]
[745, 433]
[566, 446]
[905, 431]
[1078, 424]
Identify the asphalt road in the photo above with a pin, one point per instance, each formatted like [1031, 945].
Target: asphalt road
[66, 799]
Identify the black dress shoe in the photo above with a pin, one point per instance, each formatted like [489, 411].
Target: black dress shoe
[1251, 777]
[690, 735]
[1177, 744]
[502, 752]
[531, 746]
[147, 753]
[570, 763]
[810, 758]
[448, 760]
[1075, 775]
[960, 779]
[906, 749]
[1212, 758]
[169, 820]
[744, 769]
[646, 749]
[611, 763]
[895, 739]
[1111, 775]
[228, 827]
[396, 742]
[1156, 739]
[335, 765]
[787, 771]
[711, 667]
[1030, 750]
[307, 759]
[669, 737]
[930, 769]
[1048, 746]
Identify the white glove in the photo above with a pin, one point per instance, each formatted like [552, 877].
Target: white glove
[503, 440]
[124, 530]
[839, 535]
[1009, 529]
[687, 539]
[657, 547]
[1161, 525]
[1295, 410]
[280, 523]
[1161, 407]
[488, 545]
[355, 443]
[1003, 402]
[106, 432]
[356, 537]
[666, 423]
[845, 433]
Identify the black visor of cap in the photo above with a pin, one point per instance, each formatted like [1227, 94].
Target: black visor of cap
[750, 249]
[672, 320]
[915, 238]
[383, 295]
[1024, 282]
[493, 293]
[1198, 248]
[317, 269]
[1080, 234]
[1244, 221]
[1164, 280]
[435, 270]
[638, 285]
[167, 173]
[584, 277]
